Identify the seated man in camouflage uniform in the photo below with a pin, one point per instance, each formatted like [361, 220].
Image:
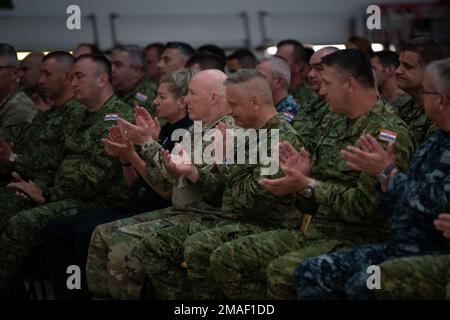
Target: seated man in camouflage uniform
[415, 55]
[86, 178]
[312, 117]
[385, 64]
[424, 277]
[66, 240]
[415, 200]
[111, 269]
[294, 54]
[235, 185]
[277, 73]
[344, 203]
[128, 79]
[39, 152]
[16, 109]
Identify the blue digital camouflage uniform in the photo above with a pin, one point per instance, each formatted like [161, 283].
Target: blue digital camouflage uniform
[413, 278]
[415, 198]
[287, 107]
[86, 178]
[345, 212]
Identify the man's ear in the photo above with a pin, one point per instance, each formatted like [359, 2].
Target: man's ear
[390, 70]
[213, 97]
[255, 102]
[182, 102]
[68, 77]
[444, 102]
[351, 83]
[102, 80]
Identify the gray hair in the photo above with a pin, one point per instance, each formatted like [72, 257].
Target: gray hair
[243, 75]
[261, 87]
[280, 68]
[135, 53]
[178, 81]
[7, 51]
[440, 74]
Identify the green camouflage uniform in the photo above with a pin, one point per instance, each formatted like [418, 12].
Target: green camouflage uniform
[143, 94]
[400, 100]
[419, 125]
[16, 113]
[348, 213]
[244, 211]
[39, 154]
[303, 94]
[111, 268]
[311, 120]
[86, 178]
[412, 278]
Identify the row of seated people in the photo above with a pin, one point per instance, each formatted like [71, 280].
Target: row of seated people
[152, 208]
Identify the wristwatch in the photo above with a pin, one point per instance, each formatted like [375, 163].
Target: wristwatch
[146, 145]
[308, 192]
[383, 176]
[12, 157]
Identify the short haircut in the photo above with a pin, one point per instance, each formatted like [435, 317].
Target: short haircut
[213, 49]
[245, 57]
[362, 43]
[299, 51]
[102, 63]
[206, 61]
[427, 49]
[308, 53]
[7, 51]
[160, 47]
[92, 48]
[178, 81]
[184, 49]
[280, 68]
[62, 57]
[134, 52]
[387, 58]
[440, 73]
[353, 63]
[262, 87]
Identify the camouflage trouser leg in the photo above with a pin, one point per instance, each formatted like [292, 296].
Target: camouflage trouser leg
[426, 277]
[126, 274]
[338, 275]
[161, 255]
[239, 266]
[198, 249]
[10, 204]
[99, 248]
[22, 234]
[280, 283]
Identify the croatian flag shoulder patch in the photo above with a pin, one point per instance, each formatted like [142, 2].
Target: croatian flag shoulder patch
[141, 97]
[111, 117]
[388, 136]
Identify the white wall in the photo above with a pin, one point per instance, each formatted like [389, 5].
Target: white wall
[40, 24]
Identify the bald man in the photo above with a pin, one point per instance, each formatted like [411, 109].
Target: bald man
[244, 204]
[119, 274]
